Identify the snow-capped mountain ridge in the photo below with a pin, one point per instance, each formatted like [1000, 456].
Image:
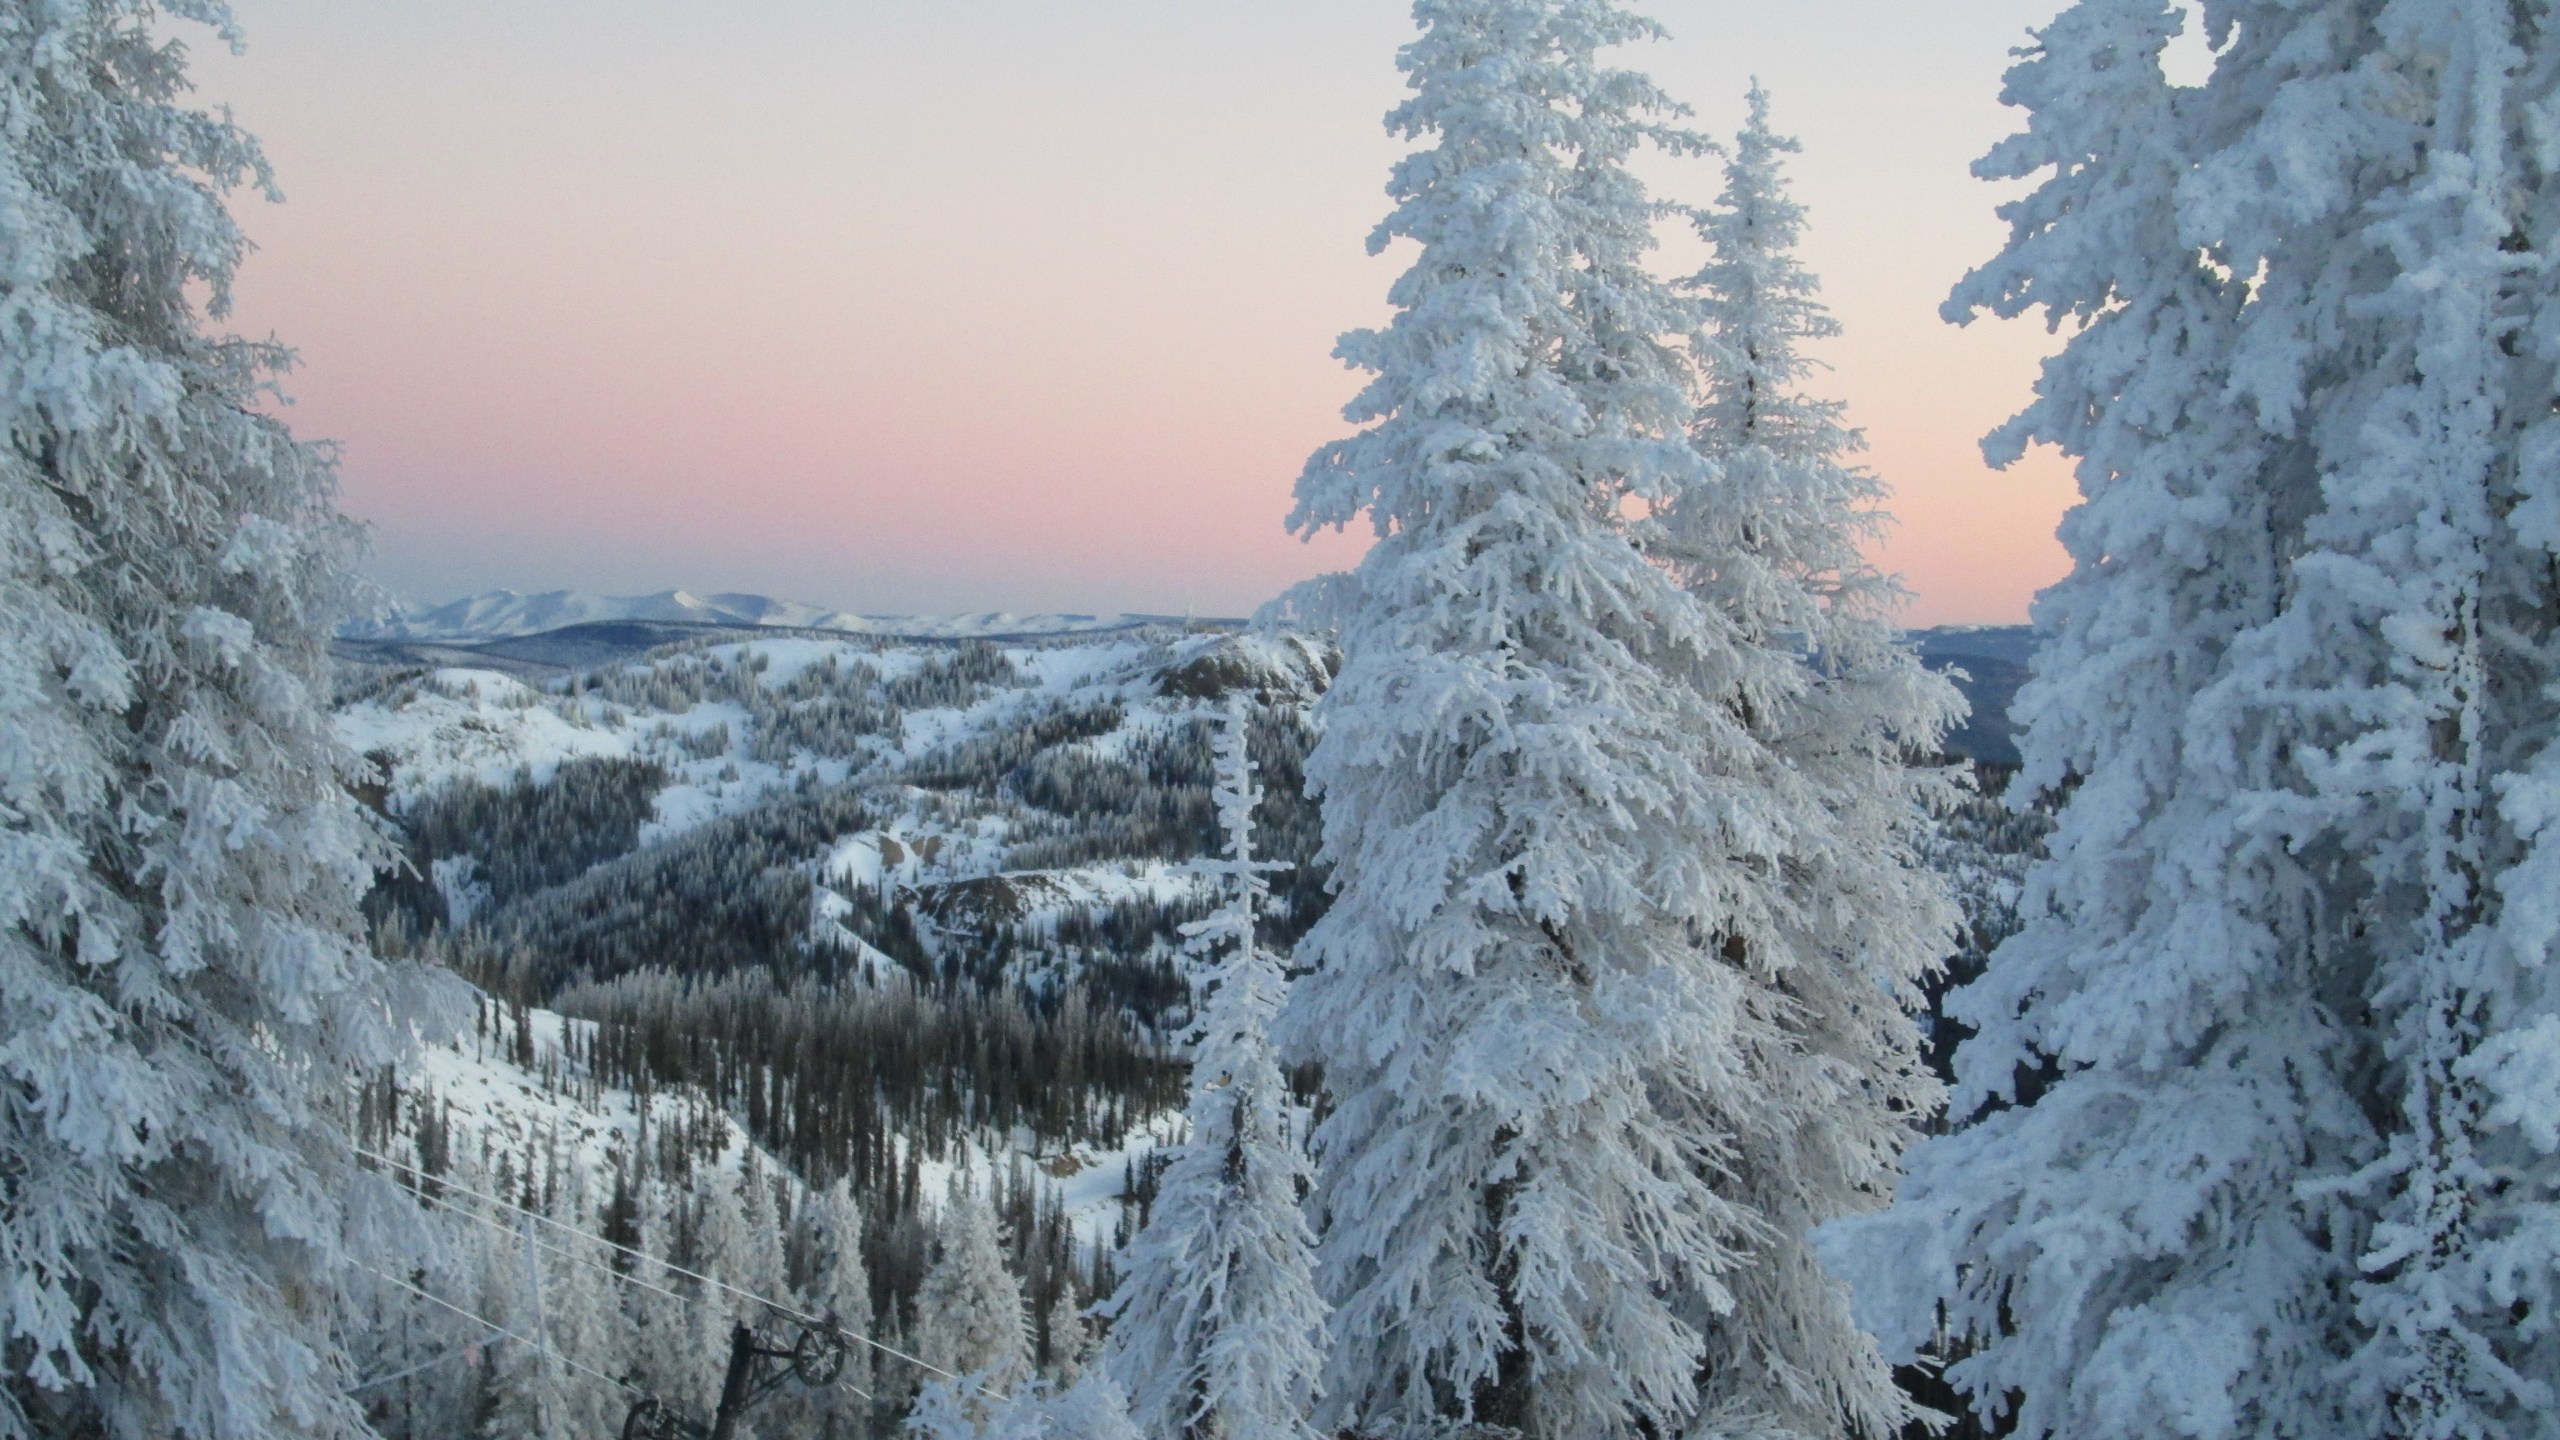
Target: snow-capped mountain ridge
[500, 614]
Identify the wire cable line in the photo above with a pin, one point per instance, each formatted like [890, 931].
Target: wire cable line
[431, 1362]
[448, 1207]
[776, 1306]
[535, 1346]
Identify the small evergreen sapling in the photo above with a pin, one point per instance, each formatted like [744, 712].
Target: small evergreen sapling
[1216, 1325]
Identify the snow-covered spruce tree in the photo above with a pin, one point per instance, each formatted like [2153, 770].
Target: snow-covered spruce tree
[1839, 919]
[1560, 961]
[2262, 1097]
[1070, 1339]
[1216, 1324]
[969, 1315]
[1091, 1408]
[582, 1319]
[679, 1349]
[759, 1266]
[833, 1282]
[521, 1397]
[184, 984]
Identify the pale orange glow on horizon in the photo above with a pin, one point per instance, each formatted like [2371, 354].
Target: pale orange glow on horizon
[999, 303]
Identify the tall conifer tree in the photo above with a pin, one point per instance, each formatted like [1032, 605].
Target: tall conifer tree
[1833, 918]
[184, 982]
[2264, 1136]
[677, 1351]
[834, 1283]
[1216, 1324]
[1552, 995]
[969, 1315]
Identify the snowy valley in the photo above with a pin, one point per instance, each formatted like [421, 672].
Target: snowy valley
[826, 915]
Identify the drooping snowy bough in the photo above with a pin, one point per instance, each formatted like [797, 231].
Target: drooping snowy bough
[2265, 1098]
[1579, 999]
[185, 990]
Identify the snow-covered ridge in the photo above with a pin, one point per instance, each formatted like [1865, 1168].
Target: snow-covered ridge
[499, 614]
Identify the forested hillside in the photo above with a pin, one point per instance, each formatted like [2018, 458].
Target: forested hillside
[895, 912]
[881, 913]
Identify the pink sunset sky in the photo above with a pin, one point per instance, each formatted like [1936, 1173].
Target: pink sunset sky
[1000, 304]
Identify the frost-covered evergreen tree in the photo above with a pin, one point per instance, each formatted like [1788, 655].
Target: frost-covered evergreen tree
[831, 1236]
[758, 1264]
[184, 983]
[2263, 1097]
[969, 1315]
[1552, 997]
[1089, 1409]
[582, 1319]
[678, 1348]
[522, 1397]
[1070, 1340]
[833, 1283]
[1835, 919]
[406, 1350]
[1216, 1324]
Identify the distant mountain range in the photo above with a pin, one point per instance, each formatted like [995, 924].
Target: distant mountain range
[576, 629]
[503, 614]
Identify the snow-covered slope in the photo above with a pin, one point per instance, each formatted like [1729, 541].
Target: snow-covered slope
[491, 1102]
[1020, 813]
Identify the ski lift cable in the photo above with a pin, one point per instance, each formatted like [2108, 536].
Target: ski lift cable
[431, 1362]
[449, 1207]
[534, 1345]
[776, 1306]
[565, 1253]
[664, 1264]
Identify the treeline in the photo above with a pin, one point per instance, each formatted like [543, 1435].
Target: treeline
[733, 893]
[524, 837]
[862, 1084]
[1121, 957]
[670, 1188]
[824, 1075]
[823, 708]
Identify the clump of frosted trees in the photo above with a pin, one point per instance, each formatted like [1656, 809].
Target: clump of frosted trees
[1612, 999]
[2263, 1129]
[556, 1303]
